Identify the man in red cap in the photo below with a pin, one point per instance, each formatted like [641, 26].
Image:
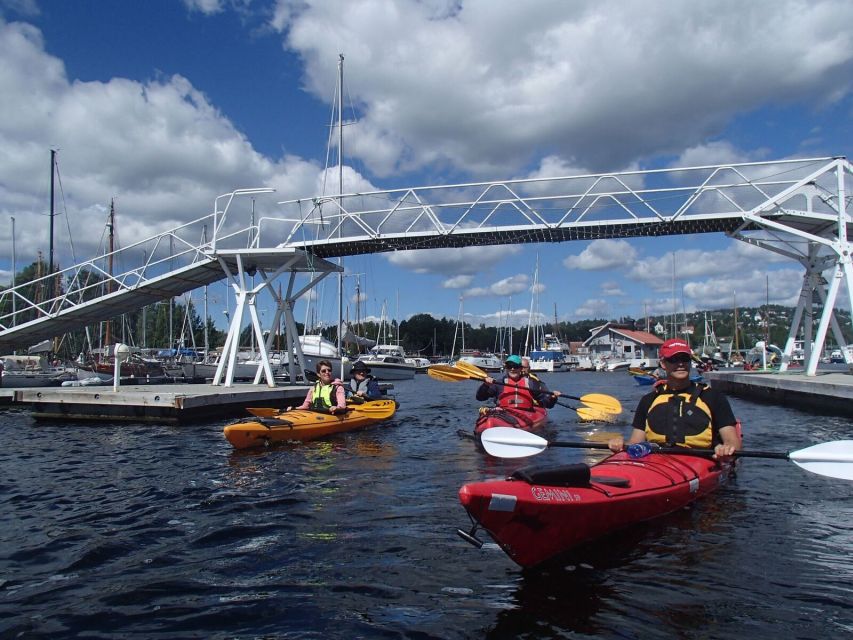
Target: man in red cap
[681, 413]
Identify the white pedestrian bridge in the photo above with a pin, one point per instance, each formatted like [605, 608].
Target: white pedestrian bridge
[797, 208]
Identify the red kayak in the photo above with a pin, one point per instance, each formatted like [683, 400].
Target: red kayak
[542, 512]
[524, 419]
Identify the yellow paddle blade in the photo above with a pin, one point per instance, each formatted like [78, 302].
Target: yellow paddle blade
[472, 370]
[602, 402]
[446, 373]
[587, 414]
[376, 409]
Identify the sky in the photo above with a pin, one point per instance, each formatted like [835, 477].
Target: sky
[165, 104]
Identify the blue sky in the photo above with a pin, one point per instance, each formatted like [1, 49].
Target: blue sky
[166, 104]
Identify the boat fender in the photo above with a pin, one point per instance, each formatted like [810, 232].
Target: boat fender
[569, 475]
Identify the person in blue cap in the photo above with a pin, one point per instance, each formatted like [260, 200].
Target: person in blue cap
[516, 391]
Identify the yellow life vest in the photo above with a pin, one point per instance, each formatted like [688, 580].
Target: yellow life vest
[680, 419]
[321, 398]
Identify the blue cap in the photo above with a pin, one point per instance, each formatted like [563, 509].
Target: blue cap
[513, 360]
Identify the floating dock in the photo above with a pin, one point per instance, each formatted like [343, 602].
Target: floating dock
[169, 403]
[153, 403]
[827, 392]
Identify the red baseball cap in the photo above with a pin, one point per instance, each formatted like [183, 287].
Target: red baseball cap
[673, 346]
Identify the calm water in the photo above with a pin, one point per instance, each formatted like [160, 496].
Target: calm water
[140, 531]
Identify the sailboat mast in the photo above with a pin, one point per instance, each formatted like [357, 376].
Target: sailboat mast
[341, 194]
[50, 254]
[111, 227]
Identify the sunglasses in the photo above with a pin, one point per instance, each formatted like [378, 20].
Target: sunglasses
[360, 373]
[512, 367]
[679, 357]
[324, 370]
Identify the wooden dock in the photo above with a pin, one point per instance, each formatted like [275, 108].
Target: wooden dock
[169, 403]
[827, 392]
[153, 403]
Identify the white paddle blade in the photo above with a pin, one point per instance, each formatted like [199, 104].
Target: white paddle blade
[507, 442]
[832, 459]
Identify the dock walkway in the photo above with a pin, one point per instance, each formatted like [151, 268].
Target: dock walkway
[827, 392]
[154, 403]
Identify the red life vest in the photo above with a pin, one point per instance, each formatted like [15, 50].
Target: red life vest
[516, 395]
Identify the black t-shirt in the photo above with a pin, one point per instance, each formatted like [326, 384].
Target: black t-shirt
[721, 411]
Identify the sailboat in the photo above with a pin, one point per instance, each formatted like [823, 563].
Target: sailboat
[483, 359]
[387, 361]
[547, 352]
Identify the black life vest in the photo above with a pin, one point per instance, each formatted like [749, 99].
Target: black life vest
[680, 418]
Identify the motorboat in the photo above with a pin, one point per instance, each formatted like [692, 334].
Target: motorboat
[315, 348]
[551, 356]
[245, 368]
[483, 360]
[32, 371]
[421, 364]
[388, 362]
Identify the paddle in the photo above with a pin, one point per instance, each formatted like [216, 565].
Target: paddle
[587, 414]
[832, 459]
[447, 373]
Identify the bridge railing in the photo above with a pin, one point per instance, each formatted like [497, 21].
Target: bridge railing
[431, 216]
[129, 267]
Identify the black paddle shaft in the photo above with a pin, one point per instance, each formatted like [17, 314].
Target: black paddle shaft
[683, 451]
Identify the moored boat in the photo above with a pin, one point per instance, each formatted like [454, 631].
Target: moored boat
[540, 513]
[388, 362]
[269, 426]
[485, 361]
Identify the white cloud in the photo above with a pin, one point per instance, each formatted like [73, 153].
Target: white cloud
[611, 289]
[602, 254]
[712, 153]
[593, 308]
[160, 148]
[692, 264]
[452, 262]
[505, 287]
[595, 82]
[207, 7]
[458, 282]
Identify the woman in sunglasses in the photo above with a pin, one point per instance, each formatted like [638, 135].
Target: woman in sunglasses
[327, 394]
[682, 413]
[517, 391]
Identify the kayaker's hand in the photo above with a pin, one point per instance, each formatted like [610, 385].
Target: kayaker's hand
[489, 380]
[556, 394]
[723, 451]
[616, 444]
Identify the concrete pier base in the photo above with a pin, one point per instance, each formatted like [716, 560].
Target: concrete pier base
[827, 392]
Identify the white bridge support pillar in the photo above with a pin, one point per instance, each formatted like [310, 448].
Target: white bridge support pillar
[234, 265]
[829, 250]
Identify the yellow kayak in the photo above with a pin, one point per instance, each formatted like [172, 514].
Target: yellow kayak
[272, 425]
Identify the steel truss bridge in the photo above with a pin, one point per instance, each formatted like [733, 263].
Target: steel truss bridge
[795, 208]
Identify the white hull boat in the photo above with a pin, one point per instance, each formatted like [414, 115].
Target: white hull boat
[388, 362]
[485, 361]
